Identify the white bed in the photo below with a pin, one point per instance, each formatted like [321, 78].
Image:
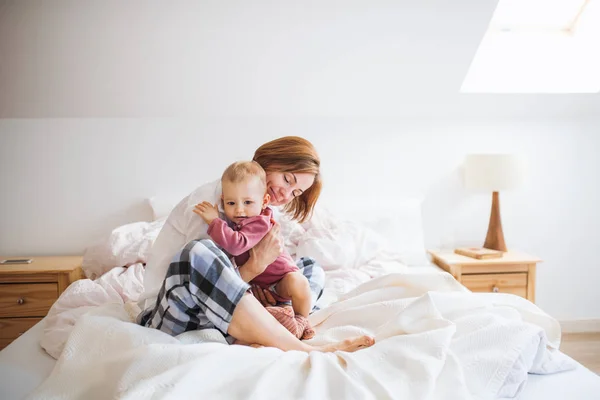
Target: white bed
[24, 365]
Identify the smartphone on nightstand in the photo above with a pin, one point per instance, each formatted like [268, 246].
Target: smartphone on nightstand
[17, 261]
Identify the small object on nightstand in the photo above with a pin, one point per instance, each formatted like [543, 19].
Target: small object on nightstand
[17, 261]
[479, 253]
[513, 273]
[28, 290]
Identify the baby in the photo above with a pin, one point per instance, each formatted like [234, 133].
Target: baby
[245, 202]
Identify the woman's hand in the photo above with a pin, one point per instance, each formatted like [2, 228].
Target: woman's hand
[269, 247]
[207, 211]
[264, 296]
[263, 254]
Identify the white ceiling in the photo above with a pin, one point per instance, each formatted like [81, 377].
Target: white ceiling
[109, 58]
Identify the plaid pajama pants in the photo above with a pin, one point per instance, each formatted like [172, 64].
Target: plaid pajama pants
[202, 288]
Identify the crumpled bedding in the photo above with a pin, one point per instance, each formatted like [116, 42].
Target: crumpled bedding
[115, 269]
[434, 340]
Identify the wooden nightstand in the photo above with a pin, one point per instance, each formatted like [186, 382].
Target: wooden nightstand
[513, 273]
[27, 291]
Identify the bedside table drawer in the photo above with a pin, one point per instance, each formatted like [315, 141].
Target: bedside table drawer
[12, 328]
[501, 283]
[27, 299]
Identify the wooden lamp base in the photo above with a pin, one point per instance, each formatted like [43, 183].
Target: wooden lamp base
[495, 237]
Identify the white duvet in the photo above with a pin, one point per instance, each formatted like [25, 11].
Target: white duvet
[434, 339]
[115, 275]
[442, 344]
[118, 286]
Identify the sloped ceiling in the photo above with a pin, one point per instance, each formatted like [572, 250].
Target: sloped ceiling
[376, 58]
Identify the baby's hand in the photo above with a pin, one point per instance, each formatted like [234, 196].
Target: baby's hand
[207, 211]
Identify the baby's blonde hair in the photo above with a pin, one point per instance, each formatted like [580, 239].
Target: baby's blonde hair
[241, 170]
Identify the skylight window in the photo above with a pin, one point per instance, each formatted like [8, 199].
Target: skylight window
[539, 46]
[537, 14]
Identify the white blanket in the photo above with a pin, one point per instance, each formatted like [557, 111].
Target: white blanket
[444, 344]
[118, 286]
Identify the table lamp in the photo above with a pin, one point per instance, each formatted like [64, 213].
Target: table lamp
[494, 173]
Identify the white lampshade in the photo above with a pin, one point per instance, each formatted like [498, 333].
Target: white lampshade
[493, 172]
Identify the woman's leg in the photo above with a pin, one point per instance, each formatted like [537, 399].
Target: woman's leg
[251, 323]
[203, 290]
[200, 290]
[316, 278]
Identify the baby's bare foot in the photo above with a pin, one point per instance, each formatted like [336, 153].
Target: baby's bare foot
[349, 345]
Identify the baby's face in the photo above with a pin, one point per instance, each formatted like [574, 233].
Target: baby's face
[244, 199]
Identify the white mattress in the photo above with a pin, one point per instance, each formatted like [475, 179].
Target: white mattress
[578, 384]
[24, 365]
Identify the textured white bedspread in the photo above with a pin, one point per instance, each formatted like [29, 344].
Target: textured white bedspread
[435, 340]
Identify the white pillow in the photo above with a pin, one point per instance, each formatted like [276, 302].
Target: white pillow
[125, 245]
[337, 243]
[400, 225]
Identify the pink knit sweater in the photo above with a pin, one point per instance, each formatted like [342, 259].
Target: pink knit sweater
[238, 240]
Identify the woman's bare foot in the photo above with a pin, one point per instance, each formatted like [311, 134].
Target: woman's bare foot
[350, 345]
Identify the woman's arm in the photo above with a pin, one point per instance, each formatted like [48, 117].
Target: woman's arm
[192, 226]
[263, 254]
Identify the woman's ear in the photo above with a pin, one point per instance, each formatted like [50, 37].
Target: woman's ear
[266, 200]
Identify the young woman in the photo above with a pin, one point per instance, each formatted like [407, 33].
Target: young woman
[191, 284]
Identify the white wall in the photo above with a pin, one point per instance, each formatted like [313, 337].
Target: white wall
[150, 58]
[104, 103]
[68, 182]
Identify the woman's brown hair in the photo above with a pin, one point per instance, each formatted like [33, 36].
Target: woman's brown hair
[293, 154]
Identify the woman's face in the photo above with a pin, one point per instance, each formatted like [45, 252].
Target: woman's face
[284, 186]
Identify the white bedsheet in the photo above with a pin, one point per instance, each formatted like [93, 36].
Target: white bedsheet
[577, 384]
[24, 365]
[447, 343]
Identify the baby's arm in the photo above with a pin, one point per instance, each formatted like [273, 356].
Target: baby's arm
[295, 286]
[238, 242]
